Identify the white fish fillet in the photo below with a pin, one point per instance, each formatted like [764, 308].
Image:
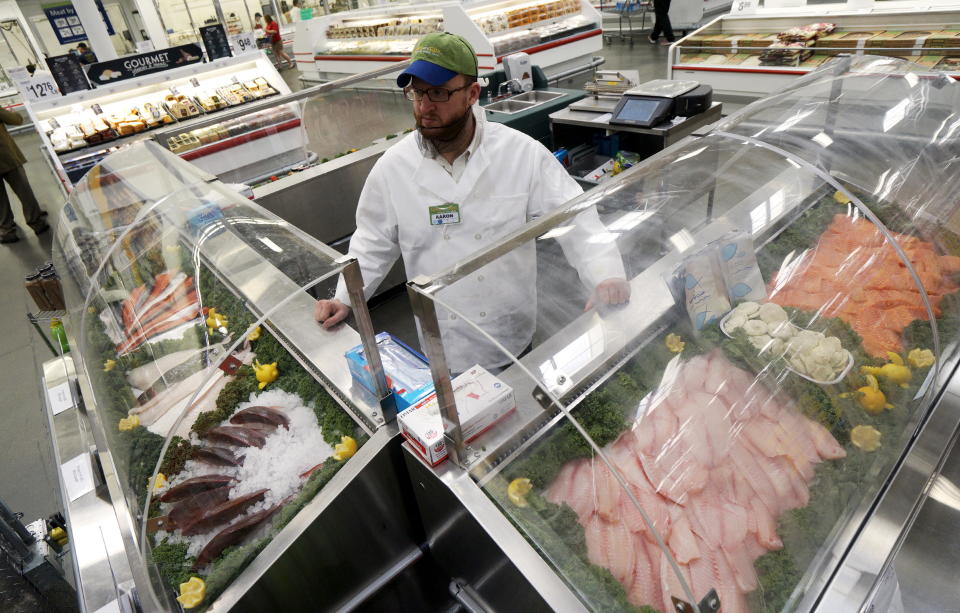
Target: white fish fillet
[713, 461]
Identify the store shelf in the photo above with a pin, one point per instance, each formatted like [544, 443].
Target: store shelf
[554, 51]
[238, 140]
[129, 97]
[123, 141]
[897, 24]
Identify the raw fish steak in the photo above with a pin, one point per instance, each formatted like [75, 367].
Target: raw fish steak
[712, 463]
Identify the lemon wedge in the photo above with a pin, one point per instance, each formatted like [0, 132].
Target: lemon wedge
[865, 437]
[517, 491]
[192, 592]
[919, 358]
[345, 449]
[674, 343]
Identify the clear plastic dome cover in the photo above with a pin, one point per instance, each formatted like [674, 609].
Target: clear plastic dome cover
[218, 433]
[792, 282]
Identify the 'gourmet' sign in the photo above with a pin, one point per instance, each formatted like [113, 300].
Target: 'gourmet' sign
[105, 73]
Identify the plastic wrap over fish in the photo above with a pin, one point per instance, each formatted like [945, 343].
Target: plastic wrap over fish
[879, 125]
[714, 460]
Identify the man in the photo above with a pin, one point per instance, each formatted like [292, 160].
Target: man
[456, 185]
[11, 172]
[661, 24]
[85, 54]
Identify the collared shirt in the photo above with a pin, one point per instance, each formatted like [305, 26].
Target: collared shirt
[456, 168]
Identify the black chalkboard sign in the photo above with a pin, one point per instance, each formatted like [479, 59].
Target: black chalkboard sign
[68, 72]
[215, 42]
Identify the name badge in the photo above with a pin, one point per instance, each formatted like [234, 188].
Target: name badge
[443, 214]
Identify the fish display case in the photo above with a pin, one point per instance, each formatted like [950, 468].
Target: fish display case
[754, 52]
[220, 411]
[727, 437]
[558, 34]
[81, 128]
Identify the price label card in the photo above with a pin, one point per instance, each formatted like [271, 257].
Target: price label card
[144, 46]
[40, 86]
[18, 74]
[744, 7]
[234, 79]
[194, 82]
[96, 109]
[78, 476]
[174, 90]
[60, 398]
[243, 43]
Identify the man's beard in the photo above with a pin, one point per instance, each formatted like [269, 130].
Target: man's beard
[446, 137]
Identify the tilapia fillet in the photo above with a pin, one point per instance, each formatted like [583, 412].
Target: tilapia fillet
[713, 462]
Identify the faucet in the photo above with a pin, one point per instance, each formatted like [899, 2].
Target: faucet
[513, 87]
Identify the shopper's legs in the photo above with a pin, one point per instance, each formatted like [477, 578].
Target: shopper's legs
[661, 8]
[8, 229]
[20, 185]
[657, 27]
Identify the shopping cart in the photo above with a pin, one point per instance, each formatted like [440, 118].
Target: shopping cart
[628, 10]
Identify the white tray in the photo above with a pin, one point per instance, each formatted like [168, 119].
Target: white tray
[837, 379]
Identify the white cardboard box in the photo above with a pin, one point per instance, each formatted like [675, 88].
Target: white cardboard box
[482, 401]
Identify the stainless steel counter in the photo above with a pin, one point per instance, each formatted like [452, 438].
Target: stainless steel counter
[101, 566]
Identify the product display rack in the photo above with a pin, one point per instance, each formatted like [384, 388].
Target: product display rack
[201, 90]
[143, 220]
[557, 34]
[601, 469]
[725, 53]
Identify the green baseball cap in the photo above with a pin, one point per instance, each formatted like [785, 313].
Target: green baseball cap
[439, 57]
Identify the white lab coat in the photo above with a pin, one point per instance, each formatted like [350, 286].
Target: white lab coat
[509, 180]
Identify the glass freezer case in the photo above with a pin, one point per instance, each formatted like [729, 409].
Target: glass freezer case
[720, 438]
[217, 402]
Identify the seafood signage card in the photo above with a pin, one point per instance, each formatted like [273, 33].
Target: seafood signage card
[60, 398]
[78, 476]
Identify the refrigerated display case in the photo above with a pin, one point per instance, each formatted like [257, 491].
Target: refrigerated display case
[732, 436]
[557, 34]
[224, 419]
[758, 52]
[80, 129]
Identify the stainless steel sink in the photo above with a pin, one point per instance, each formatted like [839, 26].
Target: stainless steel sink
[510, 106]
[538, 97]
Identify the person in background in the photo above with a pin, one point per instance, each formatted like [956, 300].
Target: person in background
[258, 25]
[295, 11]
[273, 33]
[86, 55]
[285, 11]
[456, 185]
[661, 25]
[12, 172]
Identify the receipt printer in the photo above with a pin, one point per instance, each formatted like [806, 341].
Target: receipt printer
[655, 102]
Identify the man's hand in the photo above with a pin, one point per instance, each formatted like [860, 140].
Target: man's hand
[610, 291]
[330, 312]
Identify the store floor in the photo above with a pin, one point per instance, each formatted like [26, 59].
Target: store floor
[28, 482]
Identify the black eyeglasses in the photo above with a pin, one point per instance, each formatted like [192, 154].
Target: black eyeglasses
[434, 94]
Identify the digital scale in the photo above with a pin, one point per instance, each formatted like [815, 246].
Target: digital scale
[655, 102]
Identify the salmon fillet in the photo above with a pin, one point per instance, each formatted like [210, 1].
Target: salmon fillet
[862, 280]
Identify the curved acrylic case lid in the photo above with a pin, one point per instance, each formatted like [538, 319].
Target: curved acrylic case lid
[182, 293]
[679, 457]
